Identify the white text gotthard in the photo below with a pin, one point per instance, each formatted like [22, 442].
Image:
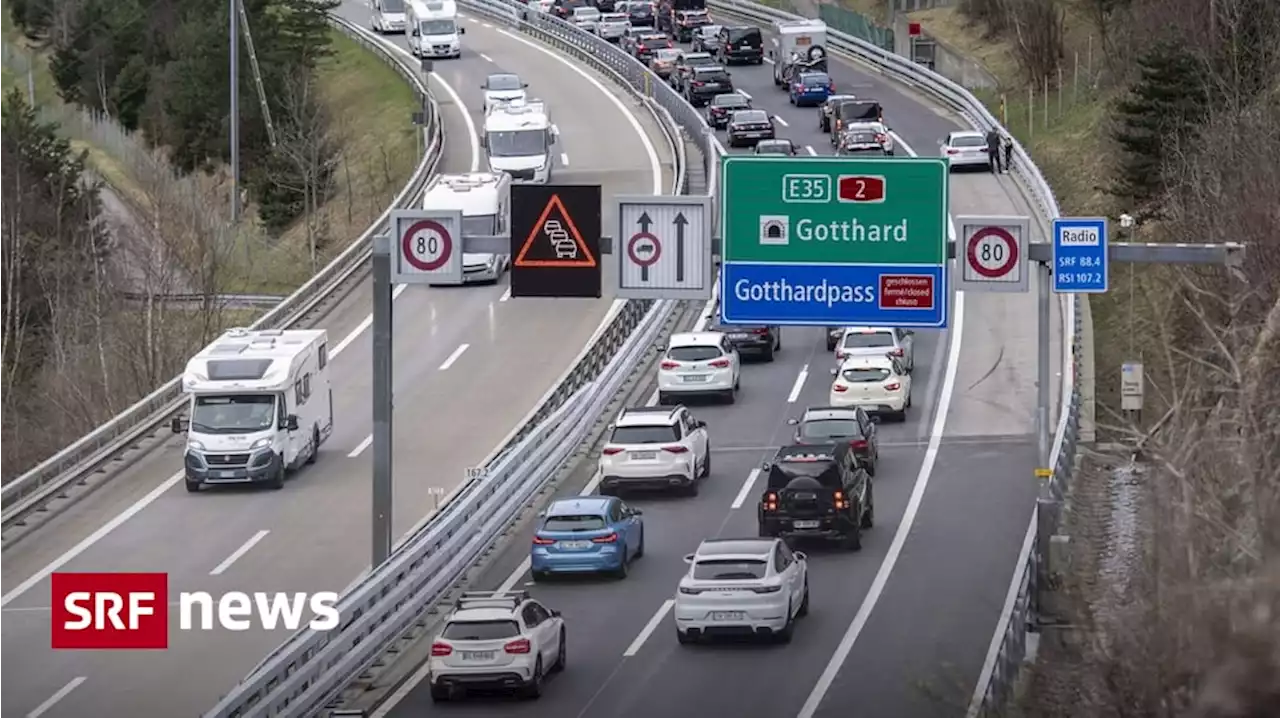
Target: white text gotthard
[850, 230]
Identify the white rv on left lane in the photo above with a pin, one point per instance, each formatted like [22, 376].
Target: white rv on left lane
[388, 15]
[433, 28]
[261, 405]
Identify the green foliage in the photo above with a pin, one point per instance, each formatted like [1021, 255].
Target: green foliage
[1166, 103]
[162, 66]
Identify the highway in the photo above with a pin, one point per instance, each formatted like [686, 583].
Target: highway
[898, 630]
[458, 396]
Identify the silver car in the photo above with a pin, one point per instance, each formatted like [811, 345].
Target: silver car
[585, 18]
[612, 26]
[965, 149]
[879, 341]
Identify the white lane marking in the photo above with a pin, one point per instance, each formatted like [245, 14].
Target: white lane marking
[655, 165]
[485, 57]
[812, 152]
[769, 60]
[361, 447]
[454, 356]
[997, 637]
[745, 491]
[799, 385]
[743, 92]
[811, 704]
[53, 699]
[650, 627]
[781, 121]
[363, 325]
[564, 158]
[239, 553]
[506, 294]
[488, 25]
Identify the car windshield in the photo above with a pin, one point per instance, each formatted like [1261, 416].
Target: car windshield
[613, 17]
[586, 522]
[968, 141]
[479, 225]
[393, 6]
[714, 569]
[829, 428]
[517, 143]
[785, 471]
[437, 27]
[693, 353]
[738, 34]
[504, 83]
[233, 413]
[860, 138]
[777, 147]
[480, 630]
[868, 340]
[707, 31]
[644, 435]
[865, 374]
[667, 54]
[639, 9]
[699, 60]
[730, 100]
[816, 79]
[751, 116]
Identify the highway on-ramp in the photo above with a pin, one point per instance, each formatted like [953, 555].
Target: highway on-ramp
[897, 630]
[470, 363]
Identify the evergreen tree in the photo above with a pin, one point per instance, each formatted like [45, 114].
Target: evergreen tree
[1166, 102]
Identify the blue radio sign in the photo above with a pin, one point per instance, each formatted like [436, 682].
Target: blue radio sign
[1080, 263]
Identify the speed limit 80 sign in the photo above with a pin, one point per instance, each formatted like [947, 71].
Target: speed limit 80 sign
[991, 254]
[426, 246]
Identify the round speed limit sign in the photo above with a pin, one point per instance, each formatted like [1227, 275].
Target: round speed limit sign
[992, 255]
[426, 245]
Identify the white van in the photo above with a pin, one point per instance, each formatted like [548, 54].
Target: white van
[388, 16]
[261, 405]
[433, 28]
[518, 135]
[484, 198]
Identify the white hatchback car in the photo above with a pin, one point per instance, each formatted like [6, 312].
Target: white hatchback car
[754, 586]
[506, 641]
[655, 447]
[965, 148]
[877, 384]
[699, 363]
[878, 341]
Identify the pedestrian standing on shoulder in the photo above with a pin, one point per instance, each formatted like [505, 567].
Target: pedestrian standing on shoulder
[1008, 153]
[993, 149]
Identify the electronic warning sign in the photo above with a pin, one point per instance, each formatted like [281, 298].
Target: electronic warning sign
[555, 241]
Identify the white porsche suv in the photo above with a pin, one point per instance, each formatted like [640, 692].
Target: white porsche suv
[752, 586]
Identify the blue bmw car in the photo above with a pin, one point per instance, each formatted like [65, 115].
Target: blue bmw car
[588, 534]
[811, 88]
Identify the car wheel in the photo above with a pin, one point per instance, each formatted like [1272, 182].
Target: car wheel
[869, 516]
[621, 571]
[663, 399]
[193, 487]
[768, 353]
[831, 344]
[562, 657]
[804, 602]
[784, 636]
[852, 541]
[908, 401]
[440, 694]
[533, 689]
[540, 576]
[683, 638]
[871, 466]
[640, 548]
[315, 447]
[277, 481]
[706, 465]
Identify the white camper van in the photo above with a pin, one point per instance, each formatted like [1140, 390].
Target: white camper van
[484, 198]
[518, 135]
[802, 47]
[433, 28]
[261, 405]
[388, 15]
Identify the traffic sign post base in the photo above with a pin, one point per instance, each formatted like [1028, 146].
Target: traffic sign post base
[382, 398]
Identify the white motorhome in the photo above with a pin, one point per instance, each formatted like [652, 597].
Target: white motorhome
[484, 198]
[433, 28]
[388, 15]
[518, 136]
[261, 405]
[802, 47]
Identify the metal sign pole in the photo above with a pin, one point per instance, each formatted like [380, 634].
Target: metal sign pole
[1044, 359]
[382, 399]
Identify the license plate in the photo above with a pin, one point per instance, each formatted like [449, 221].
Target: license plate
[805, 496]
[575, 545]
[739, 336]
[713, 86]
[806, 524]
[642, 455]
[225, 474]
[694, 378]
[726, 615]
[478, 655]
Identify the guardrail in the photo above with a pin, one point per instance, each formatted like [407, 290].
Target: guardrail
[1008, 648]
[33, 489]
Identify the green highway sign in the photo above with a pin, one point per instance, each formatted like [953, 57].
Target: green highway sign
[860, 241]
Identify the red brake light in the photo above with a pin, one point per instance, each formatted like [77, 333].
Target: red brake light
[892, 387]
[540, 541]
[951, 151]
[720, 363]
[521, 645]
[761, 331]
[840, 501]
[675, 449]
[840, 388]
[611, 450]
[881, 138]
[840, 354]
[858, 443]
[897, 352]
[771, 501]
[441, 649]
[608, 538]
[670, 364]
[698, 83]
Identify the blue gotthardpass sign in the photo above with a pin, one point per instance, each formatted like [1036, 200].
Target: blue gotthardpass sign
[1080, 263]
[833, 294]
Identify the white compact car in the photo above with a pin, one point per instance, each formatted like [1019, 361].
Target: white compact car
[612, 26]
[502, 87]
[585, 18]
[965, 148]
[878, 341]
[877, 384]
[699, 363]
[882, 133]
[494, 640]
[754, 586]
[655, 447]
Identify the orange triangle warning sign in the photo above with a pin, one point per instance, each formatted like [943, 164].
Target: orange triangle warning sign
[555, 241]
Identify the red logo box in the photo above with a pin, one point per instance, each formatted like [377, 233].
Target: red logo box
[906, 291]
[111, 611]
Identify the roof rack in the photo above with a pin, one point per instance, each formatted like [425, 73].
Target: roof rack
[491, 599]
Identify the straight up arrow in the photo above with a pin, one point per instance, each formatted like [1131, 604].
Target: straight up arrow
[644, 223]
[680, 223]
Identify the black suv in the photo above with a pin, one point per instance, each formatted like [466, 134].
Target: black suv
[748, 339]
[741, 43]
[851, 112]
[641, 14]
[817, 491]
[833, 424]
[705, 83]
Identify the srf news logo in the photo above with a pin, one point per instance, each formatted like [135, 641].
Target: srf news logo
[131, 610]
